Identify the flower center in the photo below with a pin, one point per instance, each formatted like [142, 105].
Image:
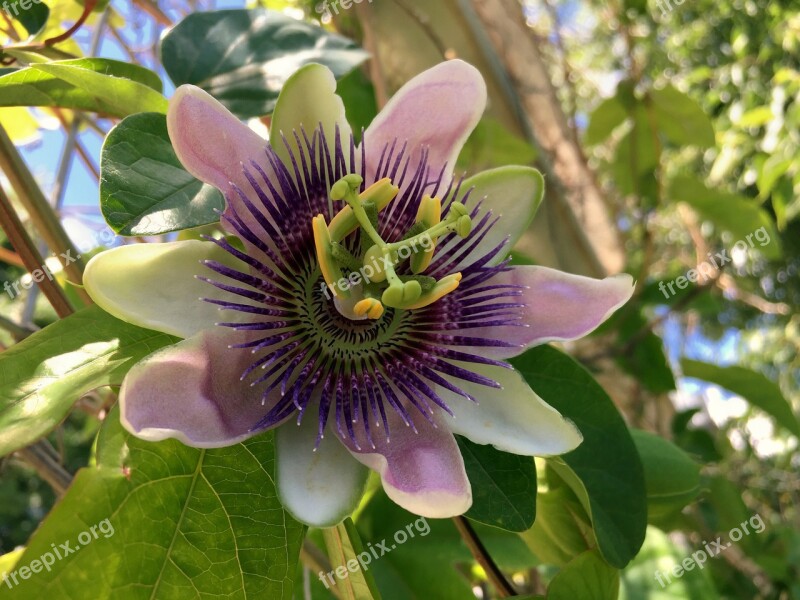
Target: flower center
[351, 244]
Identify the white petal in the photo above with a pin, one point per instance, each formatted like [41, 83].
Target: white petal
[513, 419]
[319, 488]
[154, 285]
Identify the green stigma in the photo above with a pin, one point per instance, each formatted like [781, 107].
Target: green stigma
[376, 266]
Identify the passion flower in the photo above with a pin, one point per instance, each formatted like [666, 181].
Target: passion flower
[362, 304]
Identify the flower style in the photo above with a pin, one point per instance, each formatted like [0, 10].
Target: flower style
[362, 304]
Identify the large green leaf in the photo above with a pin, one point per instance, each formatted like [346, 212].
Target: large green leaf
[171, 522]
[503, 486]
[243, 57]
[102, 85]
[587, 577]
[44, 375]
[730, 212]
[605, 470]
[672, 478]
[144, 189]
[751, 385]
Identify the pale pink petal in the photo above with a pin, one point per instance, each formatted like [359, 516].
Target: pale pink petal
[214, 145]
[421, 471]
[558, 307]
[192, 392]
[437, 109]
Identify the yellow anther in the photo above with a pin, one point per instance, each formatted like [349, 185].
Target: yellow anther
[370, 307]
[443, 287]
[330, 269]
[429, 214]
[380, 193]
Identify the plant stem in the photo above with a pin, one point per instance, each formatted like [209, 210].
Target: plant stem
[25, 247]
[43, 458]
[478, 550]
[41, 212]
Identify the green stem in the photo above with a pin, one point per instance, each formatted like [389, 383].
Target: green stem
[41, 212]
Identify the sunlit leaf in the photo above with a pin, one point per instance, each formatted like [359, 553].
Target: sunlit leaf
[754, 387]
[44, 375]
[170, 521]
[144, 189]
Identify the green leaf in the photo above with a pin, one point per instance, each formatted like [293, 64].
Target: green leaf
[636, 158]
[102, 85]
[243, 57]
[730, 212]
[756, 117]
[45, 374]
[605, 470]
[587, 577]
[171, 522]
[671, 477]
[421, 567]
[771, 171]
[681, 119]
[645, 358]
[503, 486]
[605, 118]
[562, 529]
[352, 579]
[491, 145]
[751, 385]
[33, 18]
[144, 189]
[358, 95]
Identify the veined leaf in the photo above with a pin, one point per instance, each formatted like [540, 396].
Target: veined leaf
[45, 374]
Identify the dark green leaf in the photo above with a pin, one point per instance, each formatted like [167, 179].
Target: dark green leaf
[754, 387]
[171, 522]
[671, 477]
[102, 85]
[45, 374]
[243, 57]
[605, 469]
[144, 190]
[644, 357]
[33, 14]
[503, 486]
